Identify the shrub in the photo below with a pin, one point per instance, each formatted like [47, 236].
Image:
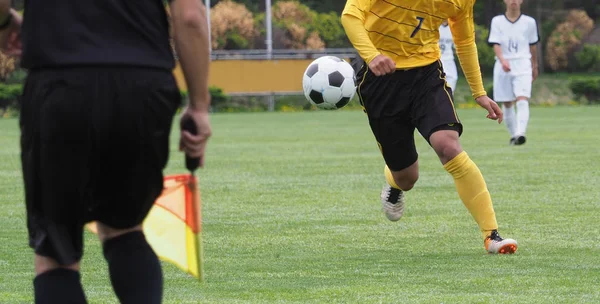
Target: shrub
[7, 66]
[296, 21]
[586, 87]
[217, 95]
[329, 27]
[232, 26]
[490, 91]
[487, 57]
[9, 96]
[566, 37]
[588, 58]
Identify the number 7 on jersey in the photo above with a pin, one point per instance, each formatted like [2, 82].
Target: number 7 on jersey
[418, 26]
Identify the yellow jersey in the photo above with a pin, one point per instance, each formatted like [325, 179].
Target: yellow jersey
[407, 32]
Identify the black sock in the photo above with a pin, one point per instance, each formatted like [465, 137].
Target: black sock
[58, 286]
[134, 268]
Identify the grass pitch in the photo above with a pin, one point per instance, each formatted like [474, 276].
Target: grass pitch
[292, 215]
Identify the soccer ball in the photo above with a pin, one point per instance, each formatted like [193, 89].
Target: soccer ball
[329, 83]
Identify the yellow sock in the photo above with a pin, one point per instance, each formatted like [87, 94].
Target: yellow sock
[473, 191]
[390, 178]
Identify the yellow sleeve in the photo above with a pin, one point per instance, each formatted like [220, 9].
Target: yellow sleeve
[353, 20]
[463, 32]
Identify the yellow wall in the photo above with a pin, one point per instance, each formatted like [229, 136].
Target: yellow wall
[254, 76]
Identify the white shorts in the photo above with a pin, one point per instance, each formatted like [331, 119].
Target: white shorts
[451, 73]
[516, 83]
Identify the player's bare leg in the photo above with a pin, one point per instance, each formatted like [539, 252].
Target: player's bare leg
[134, 268]
[392, 194]
[471, 188]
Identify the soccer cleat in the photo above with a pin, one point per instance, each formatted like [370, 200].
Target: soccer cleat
[517, 141]
[497, 245]
[392, 200]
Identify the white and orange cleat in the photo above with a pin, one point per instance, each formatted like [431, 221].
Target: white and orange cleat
[496, 245]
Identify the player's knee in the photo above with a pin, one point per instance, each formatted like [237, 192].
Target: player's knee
[448, 152]
[106, 232]
[507, 104]
[446, 144]
[522, 98]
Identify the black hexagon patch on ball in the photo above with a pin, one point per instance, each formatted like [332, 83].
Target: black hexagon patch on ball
[312, 70]
[336, 79]
[344, 101]
[316, 97]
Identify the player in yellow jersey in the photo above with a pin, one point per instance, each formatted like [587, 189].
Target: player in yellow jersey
[402, 87]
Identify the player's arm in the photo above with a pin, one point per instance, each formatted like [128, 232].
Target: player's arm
[498, 52]
[190, 27]
[534, 38]
[494, 40]
[505, 64]
[10, 29]
[463, 33]
[534, 60]
[353, 21]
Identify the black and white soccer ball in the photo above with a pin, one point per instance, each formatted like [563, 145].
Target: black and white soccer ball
[329, 83]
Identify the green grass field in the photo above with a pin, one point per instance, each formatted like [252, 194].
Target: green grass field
[292, 215]
[548, 89]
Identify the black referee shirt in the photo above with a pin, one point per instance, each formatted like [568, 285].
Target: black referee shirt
[64, 33]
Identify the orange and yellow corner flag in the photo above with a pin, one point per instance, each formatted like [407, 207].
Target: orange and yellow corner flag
[173, 226]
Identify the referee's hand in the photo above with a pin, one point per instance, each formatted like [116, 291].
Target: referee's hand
[494, 112]
[195, 145]
[382, 65]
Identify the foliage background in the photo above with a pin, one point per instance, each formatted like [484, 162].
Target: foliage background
[569, 32]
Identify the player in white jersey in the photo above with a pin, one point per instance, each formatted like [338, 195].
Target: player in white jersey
[447, 58]
[514, 37]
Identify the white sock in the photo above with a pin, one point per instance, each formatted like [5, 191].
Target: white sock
[510, 120]
[522, 116]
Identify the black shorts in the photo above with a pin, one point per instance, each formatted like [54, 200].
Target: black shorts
[94, 142]
[398, 103]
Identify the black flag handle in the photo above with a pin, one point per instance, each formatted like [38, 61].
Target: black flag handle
[189, 125]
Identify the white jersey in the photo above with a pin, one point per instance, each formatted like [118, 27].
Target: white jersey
[515, 38]
[446, 43]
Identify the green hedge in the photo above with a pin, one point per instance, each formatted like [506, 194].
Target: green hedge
[588, 88]
[9, 96]
[588, 58]
[487, 57]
